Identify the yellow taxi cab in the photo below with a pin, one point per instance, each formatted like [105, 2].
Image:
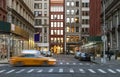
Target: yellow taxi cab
[31, 57]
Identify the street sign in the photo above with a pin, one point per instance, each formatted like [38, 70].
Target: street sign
[104, 38]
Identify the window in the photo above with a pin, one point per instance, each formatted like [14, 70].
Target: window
[68, 3]
[72, 11]
[85, 21]
[38, 22]
[38, 13]
[45, 13]
[77, 3]
[72, 3]
[68, 11]
[77, 29]
[77, 12]
[68, 20]
[45, 5]
[72, 20]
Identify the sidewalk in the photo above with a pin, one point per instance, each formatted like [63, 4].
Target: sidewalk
[112, 61]
[4, 61]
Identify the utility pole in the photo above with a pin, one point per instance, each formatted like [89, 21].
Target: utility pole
[104, 38]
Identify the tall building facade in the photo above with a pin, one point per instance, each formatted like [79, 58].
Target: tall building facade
[21, 20]
[41, 12]
[3, 10]
[56, 26]
[95, 12]
[112, 23]
[77, 23]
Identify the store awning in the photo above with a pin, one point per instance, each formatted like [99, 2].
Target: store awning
[5, 26]
[94, 38]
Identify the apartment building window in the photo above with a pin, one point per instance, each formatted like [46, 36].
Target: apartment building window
[77, 3]
[38, 5]
[61, 16]
[77, 12]
[85, 21]
[68, 11]
[68, 3]
[38, 13]
[85, 4]
[77, 29]
[72, 4]
[68, 20]
[72, 20]
[45, 21]
[45, 5]
[77, 19]
[72, 11]
[45, 13]
[38, 22]
[45, 30]
[85, 13]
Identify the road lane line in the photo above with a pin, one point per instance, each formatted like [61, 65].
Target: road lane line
[60, 70]
[2, 71]
[118, 70]
[71, 70]
[40, 70]
[50, 70]
[10, 71]
[20, 71]
[91, 70]
[31, 70]
[110, 70]
[81, 70]
[102, 71]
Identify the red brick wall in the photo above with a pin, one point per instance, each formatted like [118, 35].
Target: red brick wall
[95, 10]
[3, 12]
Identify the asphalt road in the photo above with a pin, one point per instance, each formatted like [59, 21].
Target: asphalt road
[66, 66]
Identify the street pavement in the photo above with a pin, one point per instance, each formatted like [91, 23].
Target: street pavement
[66, 66]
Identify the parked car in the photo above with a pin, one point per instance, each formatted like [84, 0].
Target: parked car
[48, 54]
[31, 57]
[77, 54]
[84, 56]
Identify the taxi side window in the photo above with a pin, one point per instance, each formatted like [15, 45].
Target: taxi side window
[28, 55]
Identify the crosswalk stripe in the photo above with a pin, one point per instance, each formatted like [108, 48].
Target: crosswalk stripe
[2, 71]
[81, 70]
[10, 71]
[91, 70]
[51, 70]
[71, 70]
[40, 70]
[67, 63]
[80, 64]
[118, 70]
[60, 70]
[20, 71]
[74, 63]
[110, 70]
[102, 71]
[61, 63]
[31, 70]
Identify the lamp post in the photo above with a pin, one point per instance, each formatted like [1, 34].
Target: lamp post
[104, 38]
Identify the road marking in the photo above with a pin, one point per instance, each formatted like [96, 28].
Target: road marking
[92, 71]
[71, 70]
[118, 70]
[87, 63]
[110, 70]
[102, 71]
[20, 71]
[2, 71]
[74, 63]
[60, 70]
[80, 64]
[67, 63]
[31, 70]
[61, 63]
[51, 70]
[10, 71]
[40, 70]
[81, 70]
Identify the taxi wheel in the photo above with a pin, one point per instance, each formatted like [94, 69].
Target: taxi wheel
[19, 63]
